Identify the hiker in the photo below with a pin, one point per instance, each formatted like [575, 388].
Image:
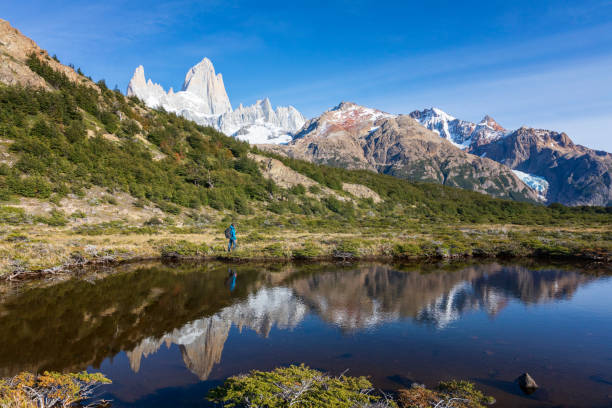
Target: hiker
[230, 233]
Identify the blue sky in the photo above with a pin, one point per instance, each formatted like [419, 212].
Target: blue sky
[537, 63]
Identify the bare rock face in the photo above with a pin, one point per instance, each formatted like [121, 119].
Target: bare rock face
[576, 175]
[204, 100]
[15, 48]
[549, 162]
[356, 137]
[527, 384]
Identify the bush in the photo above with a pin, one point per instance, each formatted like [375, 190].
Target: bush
[308, 250]
[275, 250]
[458, 394]
[13, 215]
[78, 214]
[314, 189]
[29, 390]
[56, 218]
[294, 386]
[184, 248]
[298, 189]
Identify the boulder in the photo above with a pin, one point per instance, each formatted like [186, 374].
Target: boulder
[527, 384]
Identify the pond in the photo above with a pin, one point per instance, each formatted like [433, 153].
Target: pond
[167, 333]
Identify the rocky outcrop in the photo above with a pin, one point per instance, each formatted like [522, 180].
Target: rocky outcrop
[15, 48]
[461, 133]
[549, 162]
[357, 137]
[204, 100]
[576, 175]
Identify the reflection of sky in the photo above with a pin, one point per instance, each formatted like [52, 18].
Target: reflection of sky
[564, 344]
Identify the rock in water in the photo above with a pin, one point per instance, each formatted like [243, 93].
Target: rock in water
[527, 384]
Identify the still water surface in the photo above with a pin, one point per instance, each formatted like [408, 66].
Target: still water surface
[166, 334]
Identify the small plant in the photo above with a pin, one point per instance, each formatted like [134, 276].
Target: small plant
[184, 248]
[110, 200]
[78, 215]
[314, 189]
[140, 203]
[153, 221]
[275, 250]
[456, 394]
[56, 218]
[308, 250]
[13, 215]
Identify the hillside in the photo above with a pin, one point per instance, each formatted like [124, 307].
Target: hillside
[80, 163]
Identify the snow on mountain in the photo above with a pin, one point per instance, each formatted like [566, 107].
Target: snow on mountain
[347, 116]
[204, 100]
[461, 133]
[539, 184]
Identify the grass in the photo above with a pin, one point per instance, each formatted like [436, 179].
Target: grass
[35, 247]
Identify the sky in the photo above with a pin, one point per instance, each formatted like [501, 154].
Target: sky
[544, 64]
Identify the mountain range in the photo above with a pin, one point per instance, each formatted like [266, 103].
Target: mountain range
[524, 164]
[433, 146]
[356, 137]
[560, 170]
[204, 100]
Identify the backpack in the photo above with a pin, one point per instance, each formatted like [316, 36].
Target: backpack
[228, 233]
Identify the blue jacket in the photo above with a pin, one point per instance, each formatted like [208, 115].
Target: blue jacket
[232, 232]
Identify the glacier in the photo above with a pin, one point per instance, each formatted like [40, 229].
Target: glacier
[204, 100]
[537, 183]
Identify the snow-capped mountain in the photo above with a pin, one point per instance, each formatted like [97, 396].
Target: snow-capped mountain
[359, 137]
[204, 100]
[549, 162]
[461, 133]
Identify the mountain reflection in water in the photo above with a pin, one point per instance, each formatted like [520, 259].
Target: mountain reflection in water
[78, 323]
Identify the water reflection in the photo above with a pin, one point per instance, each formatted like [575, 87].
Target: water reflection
[76, 324]
[201, 342]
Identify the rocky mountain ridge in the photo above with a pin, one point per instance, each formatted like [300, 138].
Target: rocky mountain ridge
[357, 137]
[204, 100]
[548, 161]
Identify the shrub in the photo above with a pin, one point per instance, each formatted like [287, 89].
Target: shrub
[314, 189]
[294, 386]
[275, 250]
[56, 218]
[308, 250]
[298, 189]
[458, 394]
[184, 248]
[13, 215]
[153, 221]
[50, 389]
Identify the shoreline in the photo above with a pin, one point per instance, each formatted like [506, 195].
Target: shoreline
[76, 269]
